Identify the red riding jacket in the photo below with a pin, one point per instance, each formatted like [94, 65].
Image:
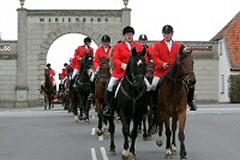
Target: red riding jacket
[100, 53]
[52, 74]
[162, 55]
[122, 55]
[80, 54]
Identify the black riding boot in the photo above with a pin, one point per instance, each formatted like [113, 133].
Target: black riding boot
[42, 89]
[153, 118]
[192, 105]
[71, 84]
[107, 111]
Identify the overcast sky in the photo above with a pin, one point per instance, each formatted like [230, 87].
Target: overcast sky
[192, 20]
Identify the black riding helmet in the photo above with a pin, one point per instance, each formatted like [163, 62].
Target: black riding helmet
[87, 40]
[106, 38]
[143, 37]
[65, 64]
[128, 29]
[48, 65]
[167, 29]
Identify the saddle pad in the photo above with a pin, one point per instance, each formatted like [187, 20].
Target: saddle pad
[117, 89]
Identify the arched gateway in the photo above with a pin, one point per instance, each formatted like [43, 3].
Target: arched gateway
[38, 29]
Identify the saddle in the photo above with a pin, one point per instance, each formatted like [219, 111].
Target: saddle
[116, 87]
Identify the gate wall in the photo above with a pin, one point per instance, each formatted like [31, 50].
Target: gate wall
[23, 64]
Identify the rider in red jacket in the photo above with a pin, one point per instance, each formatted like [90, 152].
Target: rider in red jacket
[79, 55]
[150, 49]
[52, 74]
[165, 55]
[121, 58]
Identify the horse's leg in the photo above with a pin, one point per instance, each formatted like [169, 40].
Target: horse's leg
[182, 124]
[111, 130]
[125, 131]
[174, 128]
[45, 101]
[145, 135]
[52, 100]
[75, 108]
[160, 139]
[168, 135]
[80, 106]
[49, 101]
[100, 117]
[136, 122]
[87, 109]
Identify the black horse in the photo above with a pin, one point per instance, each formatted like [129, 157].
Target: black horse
[130, 101]
[80, 95]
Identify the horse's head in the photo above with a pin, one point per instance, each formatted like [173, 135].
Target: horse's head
[87, 63]
[150, 71]
[186, 62]
[47, 74]
[104, 73]
[136, 68]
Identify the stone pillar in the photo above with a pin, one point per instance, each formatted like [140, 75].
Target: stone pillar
[126, 17]
[21, 88]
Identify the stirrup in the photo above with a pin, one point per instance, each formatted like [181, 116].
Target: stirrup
[107, 111]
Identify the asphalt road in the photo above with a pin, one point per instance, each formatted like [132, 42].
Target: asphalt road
[212, 133]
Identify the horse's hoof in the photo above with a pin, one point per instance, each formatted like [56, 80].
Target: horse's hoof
[112, 151]
[183, 158]
[75, 119]
[168, 154]
[87, 121]
[139, 131]
[99, 132]
[159, 143]
[147, 138]
[174, 150]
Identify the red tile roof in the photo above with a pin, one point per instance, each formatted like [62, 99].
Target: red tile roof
[232, 34]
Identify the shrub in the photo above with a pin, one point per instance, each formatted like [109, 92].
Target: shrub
[234, 88]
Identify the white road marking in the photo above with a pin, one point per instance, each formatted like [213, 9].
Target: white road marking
[104, 153]
[93, 131]
[93, 154]
[100, 138]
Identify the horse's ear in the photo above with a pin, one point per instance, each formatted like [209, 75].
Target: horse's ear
[143, 51]
[134, 52]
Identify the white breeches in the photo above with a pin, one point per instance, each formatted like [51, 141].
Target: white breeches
[155, 82]
[111, 83]
[75, 72]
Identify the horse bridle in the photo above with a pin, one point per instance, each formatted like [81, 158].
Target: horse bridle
[132, 83]
[185, 76]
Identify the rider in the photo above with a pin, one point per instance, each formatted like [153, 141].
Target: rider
[52, 74]
[122, 56]
[101, 52]
[63, 77]
[78, 56]
[143, 40]
[165, 54]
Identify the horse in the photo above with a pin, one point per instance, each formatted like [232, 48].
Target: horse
[149, 111]
[172, 102]
[80, 95]
[66, 96]
[100, 88]
[49, 91]
[130, 101]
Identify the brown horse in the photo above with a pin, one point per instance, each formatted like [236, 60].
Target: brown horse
[172, 102]
[67, 95]
[100, 90]
[49, 91]
[148, 113]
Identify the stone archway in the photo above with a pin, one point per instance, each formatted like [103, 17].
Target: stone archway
[38, 29]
